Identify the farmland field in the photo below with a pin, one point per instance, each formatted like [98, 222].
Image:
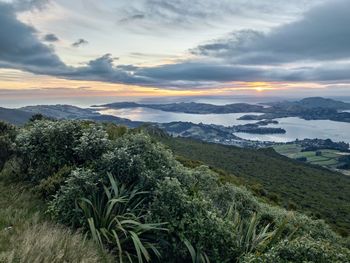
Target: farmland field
[326, 157]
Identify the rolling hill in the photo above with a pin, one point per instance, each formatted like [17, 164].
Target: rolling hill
[311, 189]
[14, 116]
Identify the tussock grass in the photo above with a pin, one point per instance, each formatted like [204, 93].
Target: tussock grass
[27, 236]
[44, 242]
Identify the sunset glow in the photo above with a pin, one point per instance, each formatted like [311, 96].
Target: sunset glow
[82, 50]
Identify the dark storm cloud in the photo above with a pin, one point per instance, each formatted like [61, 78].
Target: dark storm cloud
[51, 38]
[20, 48]
[316, 37]
[101, 69]
[80, 42]
[322, 34]
[200, 71]
[19, 45]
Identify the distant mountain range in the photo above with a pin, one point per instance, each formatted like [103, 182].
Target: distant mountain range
[14, 116]
[191, 107]
[314, 108]
[22, 115]
[314, 102]
[203, 108]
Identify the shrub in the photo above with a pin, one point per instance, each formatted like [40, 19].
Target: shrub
[241, 199]
[304, 225]
[251, 236]
[136, 159]
[115, 131]
[7, 149]
[13, 170]
[192, 202]
[82, 183]
[46, 146]
[190, 218]
[50, 185]
[116, 221]
[92, 144]
[303, 249]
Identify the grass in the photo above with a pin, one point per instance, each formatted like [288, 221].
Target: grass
[27, 236]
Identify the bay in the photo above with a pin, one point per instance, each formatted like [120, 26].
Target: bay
[295, 127]
[152, 115]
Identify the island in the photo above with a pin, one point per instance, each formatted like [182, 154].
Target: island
[313, 108]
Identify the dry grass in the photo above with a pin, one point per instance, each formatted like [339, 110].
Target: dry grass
[48, 243]
[26, 236]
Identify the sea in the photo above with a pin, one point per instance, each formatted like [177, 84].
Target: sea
[296, 128]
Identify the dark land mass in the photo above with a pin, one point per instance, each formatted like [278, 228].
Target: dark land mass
[191, 107]
[76, 113]
[256, 129]
[209, 133]
[14, 116]
[313, 108]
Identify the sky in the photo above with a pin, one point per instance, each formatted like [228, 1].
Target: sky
[64, 50]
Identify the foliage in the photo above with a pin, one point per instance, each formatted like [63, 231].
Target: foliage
[13, 170]
[115, 220]
[81, 183]
[137, 159]
[7, 134]
[191, 218]
[302, 249]
[115, 131]
[92, 143]
[48, 187]
[119, 185]
[316, 191]
[39, 117]
[252, 237]
[46, 146]
[196, 255]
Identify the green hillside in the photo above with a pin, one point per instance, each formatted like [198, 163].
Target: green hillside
[311, 189]
[80, 191]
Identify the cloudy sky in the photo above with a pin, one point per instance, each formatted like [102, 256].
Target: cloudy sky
[86, 48]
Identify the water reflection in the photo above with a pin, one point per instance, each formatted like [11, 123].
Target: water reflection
[296, 128]
[301, 129]
[151, 115]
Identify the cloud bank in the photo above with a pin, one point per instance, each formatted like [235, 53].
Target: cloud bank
[314, 48]
[322, 34]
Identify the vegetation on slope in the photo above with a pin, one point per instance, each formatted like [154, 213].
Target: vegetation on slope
[311, 189]
[133, 198]
[26, 236]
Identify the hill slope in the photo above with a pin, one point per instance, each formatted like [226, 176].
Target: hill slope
[25, 235]
[14, 116]
[310, 189]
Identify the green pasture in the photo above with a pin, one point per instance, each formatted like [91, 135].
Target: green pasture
[328, 158]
